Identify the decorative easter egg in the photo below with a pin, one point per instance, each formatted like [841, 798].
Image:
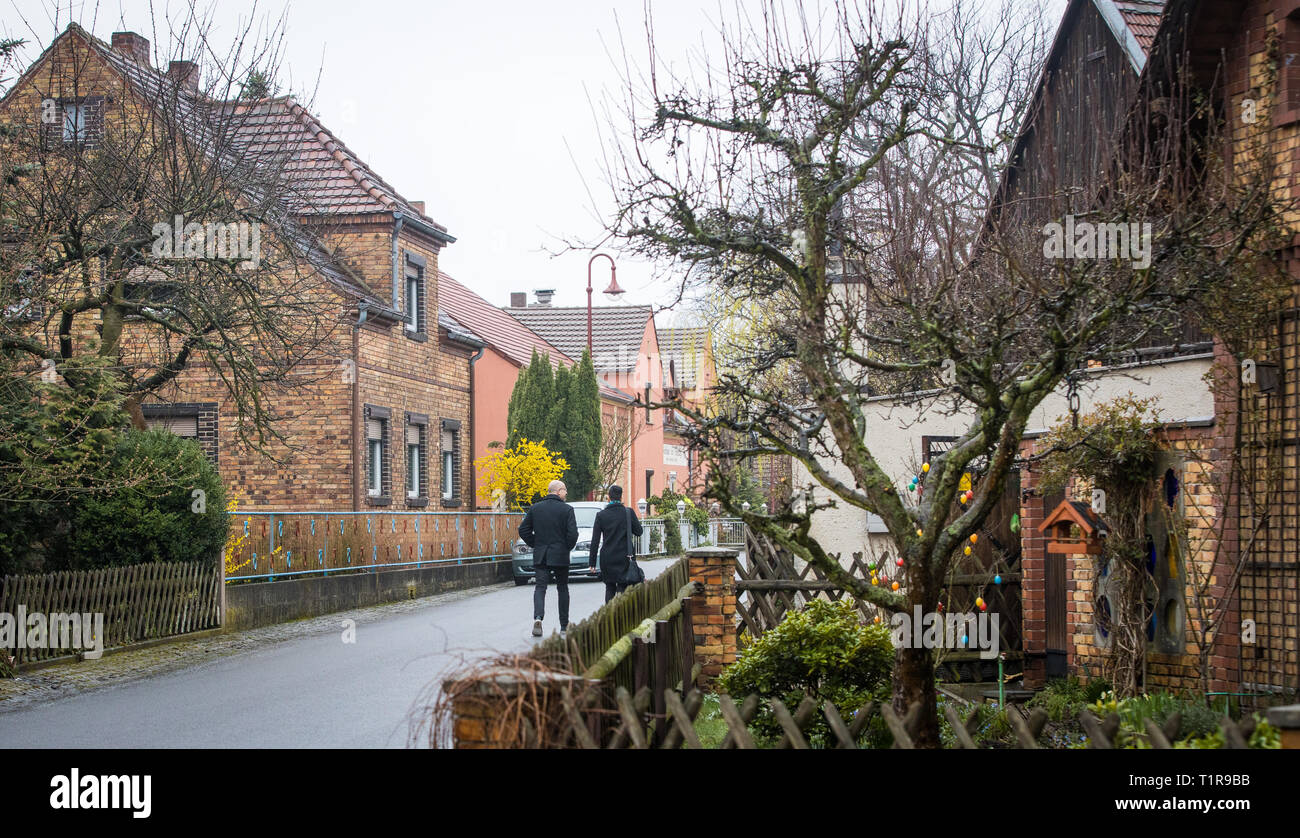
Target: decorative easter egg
[871, 565]
[877, 618]
[900, 561]
[964, 640]
[1015, 522]
[918, 533]
[974, 537]
[966, 551]
[984, 606]
[941, 608]
[925, 467]
[979, 601]
[894, 586]
[997, 580]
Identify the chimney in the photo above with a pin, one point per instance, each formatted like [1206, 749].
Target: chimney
[185, 73]
[136, 46]
[419, 206]
[518, 299]
[544, 297]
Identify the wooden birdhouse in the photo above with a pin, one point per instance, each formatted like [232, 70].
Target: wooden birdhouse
[1073, 529]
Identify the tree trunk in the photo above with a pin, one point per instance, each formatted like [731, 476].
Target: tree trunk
[914, 683]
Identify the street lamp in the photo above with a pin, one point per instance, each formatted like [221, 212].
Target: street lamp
[613, 291]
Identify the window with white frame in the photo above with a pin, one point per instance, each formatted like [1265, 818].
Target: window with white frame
[416, 462]
[376, 452]
[415, 293]
[450, 449]
[74, 122]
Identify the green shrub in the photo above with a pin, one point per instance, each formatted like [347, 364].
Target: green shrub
[821, 650]
[149, 519]
[1200, 722]
[1064, 698]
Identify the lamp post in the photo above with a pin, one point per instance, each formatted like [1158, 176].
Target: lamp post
[613, 291]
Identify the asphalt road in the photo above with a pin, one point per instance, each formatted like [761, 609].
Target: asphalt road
[306, 692]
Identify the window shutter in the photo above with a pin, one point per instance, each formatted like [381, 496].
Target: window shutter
[374, 429]
[448, 440]
[185, 426]
[412, 434]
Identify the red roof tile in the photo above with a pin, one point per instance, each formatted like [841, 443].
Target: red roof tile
[1143, 19]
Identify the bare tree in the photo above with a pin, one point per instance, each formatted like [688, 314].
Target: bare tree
[618, 434]
[814, 149]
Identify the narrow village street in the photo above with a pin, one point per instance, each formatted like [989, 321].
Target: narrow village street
[295, 685]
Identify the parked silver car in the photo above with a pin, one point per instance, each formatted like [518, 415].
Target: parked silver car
[585, 511]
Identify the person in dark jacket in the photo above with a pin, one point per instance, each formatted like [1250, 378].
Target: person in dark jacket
[616, 525]
[551, 529]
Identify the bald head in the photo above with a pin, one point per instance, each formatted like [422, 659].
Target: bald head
[556, 487]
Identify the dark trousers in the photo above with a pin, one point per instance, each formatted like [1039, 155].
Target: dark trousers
[613, 589]
[545, 576]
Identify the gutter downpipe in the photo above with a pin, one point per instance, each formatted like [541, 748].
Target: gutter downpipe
[397, 231]
[362, 312]
[473, 475]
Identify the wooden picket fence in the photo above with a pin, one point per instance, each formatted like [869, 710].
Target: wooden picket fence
[640, 728]
[139, 602]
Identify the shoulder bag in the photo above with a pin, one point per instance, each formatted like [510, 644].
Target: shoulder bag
[634, 575]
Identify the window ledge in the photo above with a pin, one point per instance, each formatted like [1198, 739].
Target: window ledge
[379, 500]
[454, 503]
[419, 337]
[420, 501]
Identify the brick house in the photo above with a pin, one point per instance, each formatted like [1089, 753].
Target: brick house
[380, 415]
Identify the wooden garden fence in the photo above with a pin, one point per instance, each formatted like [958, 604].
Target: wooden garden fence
[138, 602]
[640, 727]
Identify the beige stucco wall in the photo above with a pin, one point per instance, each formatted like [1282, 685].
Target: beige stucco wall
[894, 431]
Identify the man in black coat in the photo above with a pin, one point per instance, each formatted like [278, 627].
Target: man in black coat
[551, 529]
[616, 525]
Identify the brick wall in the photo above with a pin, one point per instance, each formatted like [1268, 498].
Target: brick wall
[713, 621]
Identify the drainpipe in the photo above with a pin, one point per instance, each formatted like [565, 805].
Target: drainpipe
[473, 475]
[362, 311]
[397, 229]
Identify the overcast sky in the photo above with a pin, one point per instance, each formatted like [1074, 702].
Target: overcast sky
[481, 109]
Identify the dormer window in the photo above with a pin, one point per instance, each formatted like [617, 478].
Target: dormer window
[414, 297]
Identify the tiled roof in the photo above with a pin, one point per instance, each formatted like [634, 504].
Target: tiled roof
[327, 177]
[1143, 19]
[194, 112]
[457, 331]
[616, 332]
[683, 347]
[502, 332]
